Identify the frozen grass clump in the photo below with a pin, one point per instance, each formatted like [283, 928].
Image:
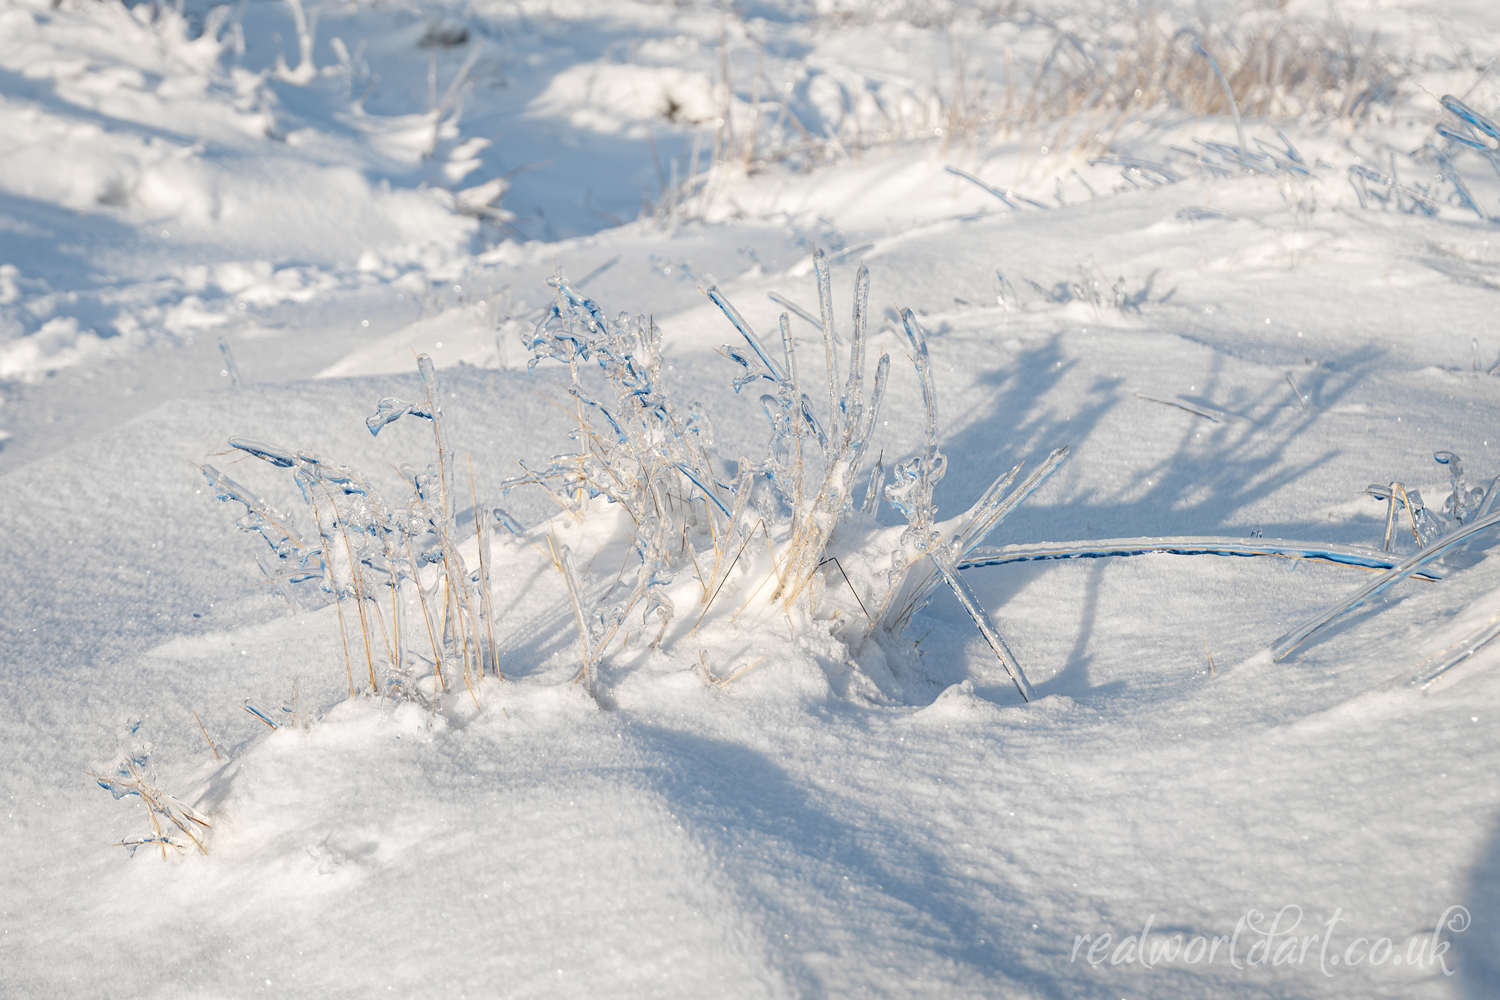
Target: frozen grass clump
[414, 610]
[790, 540]
[693, 512]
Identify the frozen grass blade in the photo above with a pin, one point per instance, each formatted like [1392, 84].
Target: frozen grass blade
[982, 185]
[130, 779]
[1234, 105]
[1457, 653]
[1217, 416]
[206, 737]
[996, 506]
[1285, 645]
[825, 307]
[1473, 119]
[739, 323]
[230, 368]
[982, 619]
[1335, 555]
[795, 309]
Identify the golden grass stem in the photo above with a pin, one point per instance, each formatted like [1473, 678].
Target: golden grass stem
[731, 678]
[206, 735]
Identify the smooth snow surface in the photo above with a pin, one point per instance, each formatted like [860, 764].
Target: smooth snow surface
[249, 220]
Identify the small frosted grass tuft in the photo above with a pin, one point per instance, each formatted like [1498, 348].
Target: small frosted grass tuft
[414, 613]
[1467, 513]
[174, 824]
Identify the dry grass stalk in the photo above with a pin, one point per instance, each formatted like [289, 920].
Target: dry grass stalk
[206, 736]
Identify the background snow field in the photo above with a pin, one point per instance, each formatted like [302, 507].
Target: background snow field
[1241, 318]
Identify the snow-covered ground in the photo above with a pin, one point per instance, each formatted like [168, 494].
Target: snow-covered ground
[246, 222]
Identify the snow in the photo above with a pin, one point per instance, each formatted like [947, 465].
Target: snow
[764, 806]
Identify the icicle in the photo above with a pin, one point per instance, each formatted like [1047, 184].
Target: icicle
[444, 457]
[989, 517]
[911, 489]
[851, 401]
[871, 505]
[1005, 294]
[813, 425]
[1471, 116]
[791, 306]
[983, 507]
[825, 306]
[786, 441]
[987, 187]
[986, 626]
[703, 489]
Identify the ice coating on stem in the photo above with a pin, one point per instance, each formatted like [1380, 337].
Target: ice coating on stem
[391, 409]
[434, 412]
[1186, 545]
[745, 331]
[287, 563]
[910, 491]
[230, 368]
[1406, 513]
[1305, 631]
[850, 401]
[265, 452]
[1462, 502]
[174, 824]
[982, 620]
[825, 307]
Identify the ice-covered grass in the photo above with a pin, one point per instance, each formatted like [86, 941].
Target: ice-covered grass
[173, 822]
[1469, 512]
[647, 483]
[1235, 333]
[646, 487]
